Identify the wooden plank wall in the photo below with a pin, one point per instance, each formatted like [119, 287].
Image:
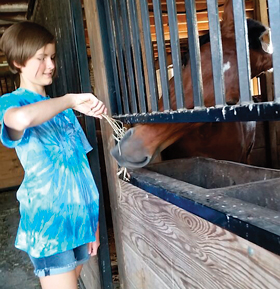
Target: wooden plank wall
[102, 92]
[166, 247]
[11, 171]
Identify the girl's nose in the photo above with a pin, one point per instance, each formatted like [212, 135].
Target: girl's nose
[50, 63]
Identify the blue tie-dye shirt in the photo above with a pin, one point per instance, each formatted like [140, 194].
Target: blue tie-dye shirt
[59, 201]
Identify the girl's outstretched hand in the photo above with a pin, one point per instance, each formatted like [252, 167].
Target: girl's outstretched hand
[88, 104]
[93, 246]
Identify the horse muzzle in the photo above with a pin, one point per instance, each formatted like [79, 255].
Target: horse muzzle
[130, 152]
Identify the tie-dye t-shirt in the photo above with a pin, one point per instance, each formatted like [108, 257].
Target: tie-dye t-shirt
[59, 201]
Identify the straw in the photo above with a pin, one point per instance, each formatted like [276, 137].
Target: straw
[119, 131]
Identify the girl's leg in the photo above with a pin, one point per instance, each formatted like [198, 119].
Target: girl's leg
[78, 270]
[60, 281]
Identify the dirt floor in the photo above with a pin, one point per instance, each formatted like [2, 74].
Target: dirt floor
[16, 270]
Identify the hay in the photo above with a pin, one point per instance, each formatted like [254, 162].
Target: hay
[118, 132]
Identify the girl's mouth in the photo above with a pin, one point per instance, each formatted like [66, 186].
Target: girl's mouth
[48, 74]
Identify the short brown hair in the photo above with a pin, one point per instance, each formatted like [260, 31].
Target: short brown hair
[22, 40]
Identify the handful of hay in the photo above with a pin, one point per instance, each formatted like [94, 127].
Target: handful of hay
[119, 131]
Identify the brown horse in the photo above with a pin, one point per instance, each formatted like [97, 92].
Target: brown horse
[229, 141]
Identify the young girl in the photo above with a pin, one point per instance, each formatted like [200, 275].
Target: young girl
[58, 198]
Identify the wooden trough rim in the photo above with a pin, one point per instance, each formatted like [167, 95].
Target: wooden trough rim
[150, 182]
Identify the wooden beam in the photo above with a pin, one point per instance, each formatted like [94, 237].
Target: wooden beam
[102, 92]
[13, 16]
[7, 8]
[11, 171]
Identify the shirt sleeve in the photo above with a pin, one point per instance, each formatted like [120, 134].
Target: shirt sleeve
[78, 128]
[7, 102]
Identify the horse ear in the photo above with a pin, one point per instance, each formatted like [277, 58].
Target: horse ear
[227, 25]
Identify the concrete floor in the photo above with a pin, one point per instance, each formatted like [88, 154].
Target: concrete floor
[16, 269]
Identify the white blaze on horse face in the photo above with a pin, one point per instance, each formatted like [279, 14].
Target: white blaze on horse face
[226, 66]
[265, 39]
[251, 126]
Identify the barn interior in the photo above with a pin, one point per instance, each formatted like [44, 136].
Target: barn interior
[265, 152]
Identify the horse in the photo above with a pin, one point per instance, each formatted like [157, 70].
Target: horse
[229, 141]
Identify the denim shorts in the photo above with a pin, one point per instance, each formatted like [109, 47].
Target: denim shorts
[61, 262]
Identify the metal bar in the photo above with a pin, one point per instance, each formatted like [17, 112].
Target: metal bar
[149, 55]
[117, 91]
[249, 112]
[161, 54]
[115, 17]
[137, 55]
[242, 49]
[194, 52]
[216, 51]
[128, 56]
[175, 52]
[80, 44]
[274, 14]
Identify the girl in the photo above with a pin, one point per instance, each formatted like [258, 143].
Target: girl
[58, 198]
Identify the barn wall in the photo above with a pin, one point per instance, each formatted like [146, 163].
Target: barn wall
[11, 171]
[167, 247]
[160, 245]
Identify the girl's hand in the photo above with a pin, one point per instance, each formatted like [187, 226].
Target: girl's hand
[88, 104]
[93, 246]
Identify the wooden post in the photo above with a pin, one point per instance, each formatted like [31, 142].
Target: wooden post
[91, 8]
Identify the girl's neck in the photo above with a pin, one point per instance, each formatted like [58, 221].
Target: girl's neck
[33, 87]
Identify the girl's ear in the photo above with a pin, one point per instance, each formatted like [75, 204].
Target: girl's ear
[17, 65]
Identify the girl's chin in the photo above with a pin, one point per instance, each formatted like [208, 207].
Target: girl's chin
[48, 82]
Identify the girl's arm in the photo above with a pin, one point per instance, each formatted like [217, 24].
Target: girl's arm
[18, 119]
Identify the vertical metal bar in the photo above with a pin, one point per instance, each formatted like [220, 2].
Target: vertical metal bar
[161, 54]
[242, 50]
[194, 52]
[149, 55]
[216, 51]
[110, 29]
[128, 56]
[274, 14]
[137, 55]
[81, 53]
[115, 17]
[175, 52]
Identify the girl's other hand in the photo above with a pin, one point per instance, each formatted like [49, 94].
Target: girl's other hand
[93, 246]
[88, 104]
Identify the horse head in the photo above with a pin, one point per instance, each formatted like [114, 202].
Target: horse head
[142, 143]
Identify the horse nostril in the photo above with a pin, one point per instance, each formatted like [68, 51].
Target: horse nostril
[116, 151]
[231, 102]
[128, 134]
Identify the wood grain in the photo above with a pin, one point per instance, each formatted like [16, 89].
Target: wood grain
[185, 251]
[101, 89]
[11, 171]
